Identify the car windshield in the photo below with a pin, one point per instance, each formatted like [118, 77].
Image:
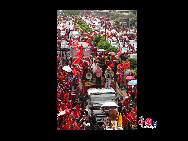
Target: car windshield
[102, 97]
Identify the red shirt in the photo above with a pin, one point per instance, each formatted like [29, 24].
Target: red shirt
[61, 78]
[64, 127]
[78, 107]
[125, 103]
[124, 121]
[119, 79]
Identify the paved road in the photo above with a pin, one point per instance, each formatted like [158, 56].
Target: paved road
[84, 44]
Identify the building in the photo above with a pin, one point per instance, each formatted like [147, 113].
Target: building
[124, 21]
[125, 12]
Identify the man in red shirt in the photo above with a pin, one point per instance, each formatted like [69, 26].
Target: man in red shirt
[126, 102]
[124, 122]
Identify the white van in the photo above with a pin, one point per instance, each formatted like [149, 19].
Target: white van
[97, 97]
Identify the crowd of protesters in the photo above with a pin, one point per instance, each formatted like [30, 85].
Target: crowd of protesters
[71, 101]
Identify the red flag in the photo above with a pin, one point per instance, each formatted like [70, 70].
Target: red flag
[118, 54]
[76, 48]
[76, 61]
[81, 51]
[126, 65]
[74, 71]
[78, 54]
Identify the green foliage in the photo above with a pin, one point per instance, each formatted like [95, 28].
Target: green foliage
[116, 24]
[83, 26]
[133, 21]
[98, 38]
[112, 49]
[104, 45]
[80, 22]
[135, 73]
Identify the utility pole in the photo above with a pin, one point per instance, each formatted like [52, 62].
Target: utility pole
[105, 29]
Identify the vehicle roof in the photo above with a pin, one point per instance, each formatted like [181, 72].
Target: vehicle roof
[75, 32]
[103, 90]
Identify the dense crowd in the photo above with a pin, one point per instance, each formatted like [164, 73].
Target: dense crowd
[71, 100]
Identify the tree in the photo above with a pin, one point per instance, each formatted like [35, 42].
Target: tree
[104, 45]
[112, 49]
[98, 38]
[135, 73]
[133, 21]
[116, 24]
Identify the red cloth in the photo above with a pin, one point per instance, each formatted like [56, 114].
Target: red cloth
[76, 48]
[76, 61]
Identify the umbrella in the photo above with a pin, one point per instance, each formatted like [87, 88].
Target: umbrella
[67, 69]
[131, 71]
[101, 50]
[132, 82]
[127, 72]
[76, 36]
[130, 32]
[109, 39]
[113, 31]
[112, 53]
[130, 77]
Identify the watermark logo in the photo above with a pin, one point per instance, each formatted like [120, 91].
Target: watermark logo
[148, 123]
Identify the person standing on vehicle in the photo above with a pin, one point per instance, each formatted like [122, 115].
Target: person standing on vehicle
[108, 76]
[94, 66]
[98, 72]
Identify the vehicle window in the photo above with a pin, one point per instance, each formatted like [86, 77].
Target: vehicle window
[102, 97]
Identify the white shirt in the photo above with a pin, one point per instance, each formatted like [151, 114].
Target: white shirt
[94, 66]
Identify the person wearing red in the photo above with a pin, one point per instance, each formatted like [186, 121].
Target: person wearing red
[124, 122]
[126, 102]
[61, 78]
[130, 118]
[64, 127]
[78, 106]
[119, 80]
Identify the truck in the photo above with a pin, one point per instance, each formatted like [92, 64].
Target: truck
[96, 98]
